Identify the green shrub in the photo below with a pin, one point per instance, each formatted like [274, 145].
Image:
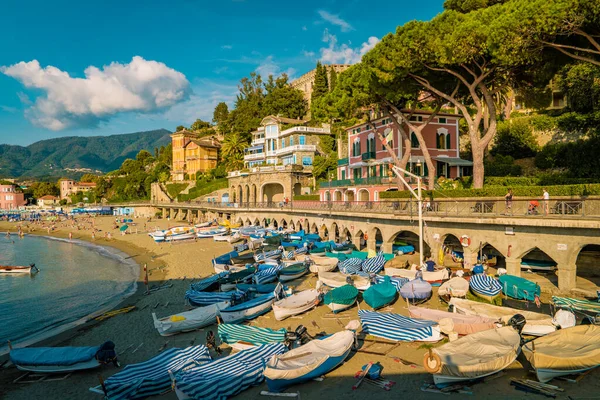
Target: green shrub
[511, 181]
[175, 188]
[515, 138]
[312, 197]
[202, 189]
[500, 191]
[502, 166]
[542, 122]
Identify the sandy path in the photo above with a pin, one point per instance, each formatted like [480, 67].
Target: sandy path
[192, 260]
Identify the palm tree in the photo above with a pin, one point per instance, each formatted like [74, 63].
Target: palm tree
[232, 151]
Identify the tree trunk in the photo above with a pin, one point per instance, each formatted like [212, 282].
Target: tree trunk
[478, 167]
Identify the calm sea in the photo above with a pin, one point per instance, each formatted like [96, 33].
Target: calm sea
[75, 280]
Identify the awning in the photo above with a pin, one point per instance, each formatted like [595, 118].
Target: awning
[358, 165]
[455, 161]
[258, 147]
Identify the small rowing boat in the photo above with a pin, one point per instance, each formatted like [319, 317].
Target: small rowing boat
[337, 279]
[17, 269]
[189, 320]
[380, 294]
[455, 287]
[250, 309]
[341, 298]
[461, 324]
[431, 277]
[519, 288]
[292, 272]
[296, 304]
[486, 287]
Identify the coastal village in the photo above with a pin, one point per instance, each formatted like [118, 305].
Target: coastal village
[392, 226]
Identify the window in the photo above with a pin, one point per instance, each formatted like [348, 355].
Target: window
[302, 140]
[373, 171]
[448, 142]
[440, 141]
[343, 174]
[414, 142]
[416, 118]
[307, 160]
[442, 120]
[356, 148]
[356, 173]
[282, 143]
[291, 140]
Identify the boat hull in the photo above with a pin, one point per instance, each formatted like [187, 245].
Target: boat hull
[291, 277]
[233, 317]
[336, 307]
[446, 380]
[51, 369]
[18, 270]
[546, 375]
[195, 319]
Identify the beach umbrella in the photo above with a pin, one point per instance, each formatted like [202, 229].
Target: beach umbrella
[123, 228]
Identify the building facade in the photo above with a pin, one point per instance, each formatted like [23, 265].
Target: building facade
[47, 201]
[306, 82]
[284, 141]
[69, 187]
[10, 198]
[192, 155]
[363, 165]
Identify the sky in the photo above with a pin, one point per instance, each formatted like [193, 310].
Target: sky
[101, 67]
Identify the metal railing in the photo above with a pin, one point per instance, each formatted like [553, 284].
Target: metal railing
[477, 208]
[369, 155]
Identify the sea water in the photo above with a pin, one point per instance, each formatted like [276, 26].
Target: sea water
[76, 281]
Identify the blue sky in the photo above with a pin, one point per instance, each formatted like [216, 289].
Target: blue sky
[87, 68]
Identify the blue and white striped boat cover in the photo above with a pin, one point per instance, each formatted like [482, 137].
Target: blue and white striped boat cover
[350, 266]
[225, 258]
[199, 299]
[373, 265]
[149, 378]
[397, 282]
[268, 254]
[485, 285]
[301, 250]
[267, 275]
[231, 333]
[241, 247]
[395, 327]
[227, 376]
[207, 282]
[290, 255]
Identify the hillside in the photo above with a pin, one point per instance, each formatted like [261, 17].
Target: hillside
[70, 156]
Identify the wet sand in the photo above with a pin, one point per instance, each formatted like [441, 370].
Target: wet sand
[192, 260]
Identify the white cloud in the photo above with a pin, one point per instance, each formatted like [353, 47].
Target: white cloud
[227, 47]
[309, 54]
[269, 67]
[335, 19]
[336, 54]
[304, 28]
[8, 109]
[68, 102]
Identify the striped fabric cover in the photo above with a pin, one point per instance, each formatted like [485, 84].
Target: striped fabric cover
[373, 265]
[397, 282]
[267, 275]
[394, 326]
[485, 285]
[231, 333]
[575, 304]
[199, 299]
[227, 376]
[268, 254]
[301, 250]
[207, 282]
[290, 255]
[241, 247]
[149, 378]
[351, 266]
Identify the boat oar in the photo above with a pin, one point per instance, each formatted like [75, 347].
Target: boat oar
[357, 384]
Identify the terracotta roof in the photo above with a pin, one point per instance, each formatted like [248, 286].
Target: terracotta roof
[90, 184]
[207, 143]
[283, 120]
[48, 197]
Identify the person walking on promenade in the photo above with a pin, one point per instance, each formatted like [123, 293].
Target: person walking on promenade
[546, 197]
[508, 198]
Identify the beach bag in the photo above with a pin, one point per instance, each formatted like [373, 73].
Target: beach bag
[478, 269]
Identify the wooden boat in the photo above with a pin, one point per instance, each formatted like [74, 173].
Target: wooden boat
[49, 360]
[250, 309]
[473, 356]
[380, 294]
[431, 277]
[211, 233]
[455, 287]
[564, 352]
[17, 269]
[519, 288]
[337, 279]
[292, 272]
[242, 337]
[320, 263]
[222, 238]
[459, 323]
[189, 320]
[537, 324]
[296, 304]
[309, 361]
[341, 298]
[485, 287]
[341, 248]
[175, 233]
[316, 268]
[538, 265]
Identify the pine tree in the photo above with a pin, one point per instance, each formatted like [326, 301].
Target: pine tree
[332, 78]
[320, 87]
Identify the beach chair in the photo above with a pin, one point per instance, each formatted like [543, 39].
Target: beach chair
[151, 377]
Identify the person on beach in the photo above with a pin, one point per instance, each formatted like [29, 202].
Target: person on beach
[508, 198]
[546, 197]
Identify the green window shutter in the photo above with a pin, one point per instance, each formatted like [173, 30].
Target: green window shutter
[448, 140]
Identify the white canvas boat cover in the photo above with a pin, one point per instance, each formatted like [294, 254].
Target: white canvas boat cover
[566, 349]
[435, 276]
[455, 287]
[480, 353]
[304, 359]
[460, 323]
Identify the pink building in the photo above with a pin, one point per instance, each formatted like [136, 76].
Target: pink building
[10, 199]
[363, 169]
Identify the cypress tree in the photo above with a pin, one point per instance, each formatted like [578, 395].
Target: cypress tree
[320, 87]
[332, 78]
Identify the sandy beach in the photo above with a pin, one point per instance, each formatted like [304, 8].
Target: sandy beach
[179, 264]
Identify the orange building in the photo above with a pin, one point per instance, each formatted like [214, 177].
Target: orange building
[192, 155]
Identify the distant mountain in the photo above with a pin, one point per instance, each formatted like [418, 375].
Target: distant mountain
[73, 156]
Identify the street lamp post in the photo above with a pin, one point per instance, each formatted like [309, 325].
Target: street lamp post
[399, 171]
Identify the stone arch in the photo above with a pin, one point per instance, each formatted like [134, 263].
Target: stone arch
[376, 238]
[272, 192]
[275, 224]
[409, 237]
[297, 189]
[240, 194]
[233, 194]
[363, 195]
[359, 240]
[488, 253]
[587, 269]
[253, 198]
[246, 194]
[314, 228]
[324, 232]
[335, 231]
[283, 223]
[256, 222]
[306, 226]
[292, 225]
[240, 221]
[537, 255]
[349, 196]
[346, 235]
[337, 195]
[264, 223]
[299, 226]
[248, 222]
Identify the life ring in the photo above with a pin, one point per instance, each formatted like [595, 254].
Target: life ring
[432, 362]
[366, 236]
[465, 241]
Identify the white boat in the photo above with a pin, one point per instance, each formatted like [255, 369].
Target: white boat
[436, 276]
[337, 279]
[17, 269]
[309, 361]
[250, 309]
[208, 233]
[173, 234]
[292, 272]
[222, 238]
[296, 304]
[564, 352]
[536, 324]
[189, 320]
[316, 268]
[454, 322]
[324, 264]
[341, 298]
[473, 356]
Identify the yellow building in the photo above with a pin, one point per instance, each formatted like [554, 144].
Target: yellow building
[192, 155]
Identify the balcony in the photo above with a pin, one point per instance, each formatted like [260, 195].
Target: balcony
[369, 155]
[374, 180]
[293, 149]
[342, 162]
[304, 129]
[254, 157]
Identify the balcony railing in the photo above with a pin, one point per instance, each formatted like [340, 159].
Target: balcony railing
[342, 162]
[369, 155]
[255, 156]
[304, 129]
[374, 180]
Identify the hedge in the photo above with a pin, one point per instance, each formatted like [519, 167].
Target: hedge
[540, 180]
[202, 189]
[175, 188]
[312, 197]
[500, 191]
